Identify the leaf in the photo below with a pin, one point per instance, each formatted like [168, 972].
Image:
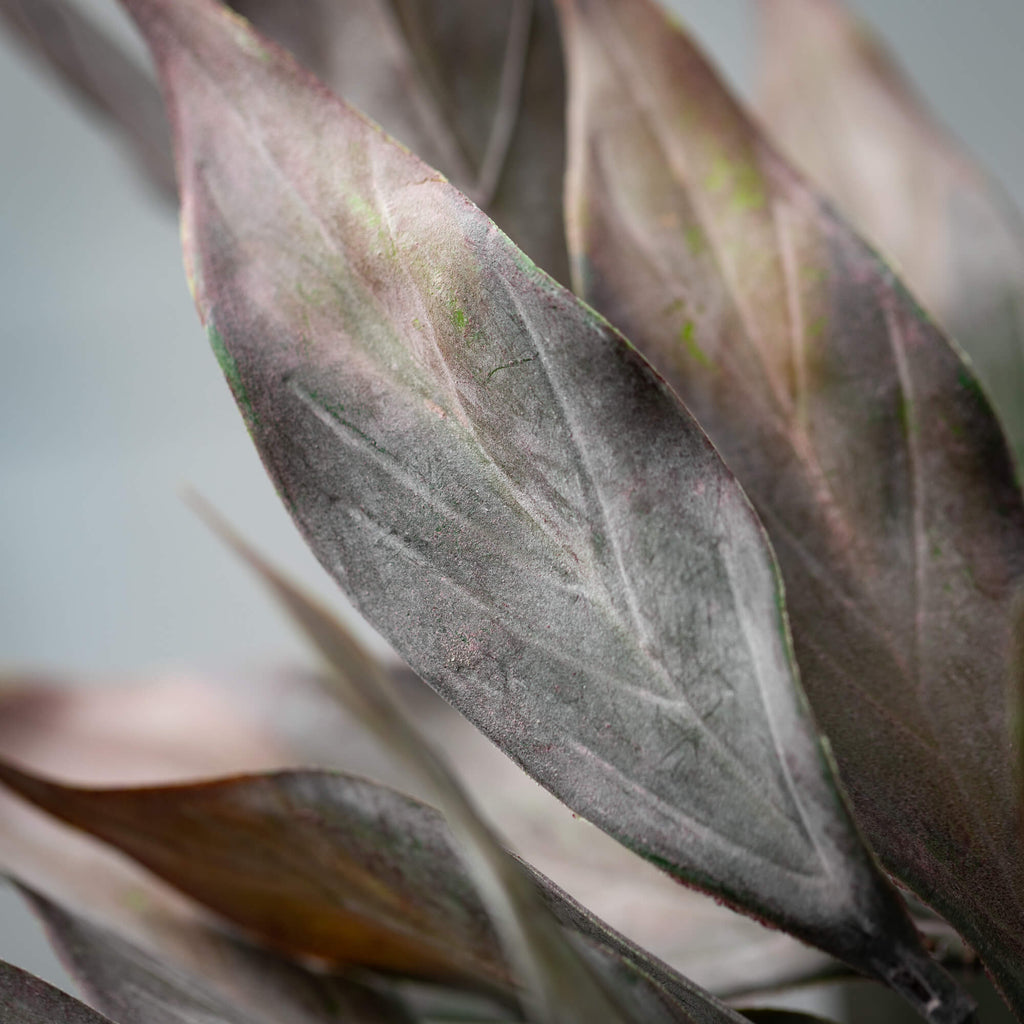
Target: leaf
[25, 999]
[288, 839]
[476, 90]
[97, 69]
[863, 439]
[955, 235]
[508, 492]
[560, 985]
[316, 864]
[136, 986]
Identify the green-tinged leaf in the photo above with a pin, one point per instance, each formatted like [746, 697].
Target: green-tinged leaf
[837, 102]
[135, 985]
[865, 442]
[25, 999]
[97, 69]
[508, 491]
[476, 90]
[341, 869]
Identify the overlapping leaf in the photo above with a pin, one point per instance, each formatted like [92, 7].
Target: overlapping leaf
[508, 491]
[342, 869]
[476, 89]
[25, 999]
[559, 985]
[837, 102]
[225, 983]
[863, 439]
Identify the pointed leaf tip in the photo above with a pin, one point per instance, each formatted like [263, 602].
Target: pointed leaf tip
[506, 489]
[865, 443]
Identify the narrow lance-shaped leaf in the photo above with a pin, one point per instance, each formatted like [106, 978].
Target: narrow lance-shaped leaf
[866, 444]
[135, 985]
[560, 985]
[840, 106]
[342, 869]
[509, 493]
[26, 999]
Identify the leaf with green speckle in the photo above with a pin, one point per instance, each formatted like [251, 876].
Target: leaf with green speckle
[857, 430]
[953, 232]
[646, 677]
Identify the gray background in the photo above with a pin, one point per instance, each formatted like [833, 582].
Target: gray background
[110, 399]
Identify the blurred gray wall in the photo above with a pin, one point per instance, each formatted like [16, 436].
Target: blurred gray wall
[110, 399]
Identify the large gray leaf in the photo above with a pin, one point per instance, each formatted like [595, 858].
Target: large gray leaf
[864, 440]
[837, 102]
[25, 999]
[510, 494]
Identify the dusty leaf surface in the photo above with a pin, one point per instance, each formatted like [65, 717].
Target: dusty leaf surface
[836, 101]
[874, 459]
[506, 489]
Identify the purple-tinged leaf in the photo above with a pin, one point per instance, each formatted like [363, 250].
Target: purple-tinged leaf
[476, 90]
[509, 492]
[839, 105]
[97, 69]
[136, 985]
[26, 999]
[864, 441]
[558, 984]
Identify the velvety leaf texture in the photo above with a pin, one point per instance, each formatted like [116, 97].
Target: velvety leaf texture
[345, 870]
[953, 232]
[394, 396]
[25, 999]
[477, 90]
[136, 986]
[508, 491]
[865, 442]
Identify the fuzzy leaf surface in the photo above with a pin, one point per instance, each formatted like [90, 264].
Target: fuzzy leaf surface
[865, 442]
[899, 176]
[26, 999]
[476, 90]
[506, 489]
[342, 869]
